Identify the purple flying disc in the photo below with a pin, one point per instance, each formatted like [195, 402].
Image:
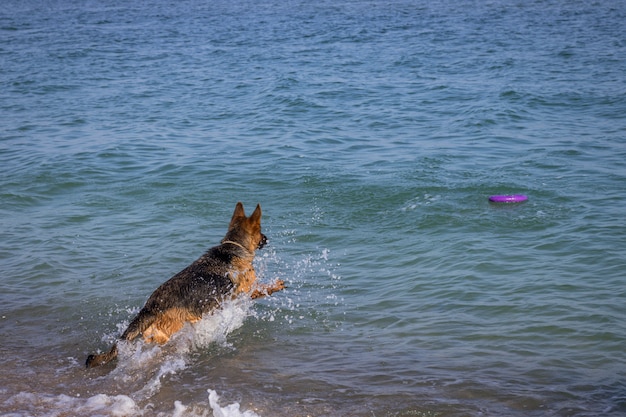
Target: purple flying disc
[514, 198]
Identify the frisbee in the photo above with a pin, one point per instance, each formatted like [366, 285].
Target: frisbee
[514, 198]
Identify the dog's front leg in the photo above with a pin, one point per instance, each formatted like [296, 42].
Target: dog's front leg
[268, 289]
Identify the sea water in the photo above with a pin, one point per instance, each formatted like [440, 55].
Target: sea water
[372, 134]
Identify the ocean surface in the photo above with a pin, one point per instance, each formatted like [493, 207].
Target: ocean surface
[372, 133]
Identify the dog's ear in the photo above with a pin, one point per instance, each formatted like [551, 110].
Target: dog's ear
[255, 217]
[238, 213]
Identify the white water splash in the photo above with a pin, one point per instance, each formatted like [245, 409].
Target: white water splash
[142, 367]
[220, 323]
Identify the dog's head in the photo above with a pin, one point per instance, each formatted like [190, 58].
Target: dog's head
[246, 230]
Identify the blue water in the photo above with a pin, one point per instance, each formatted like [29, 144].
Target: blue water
[372, 134]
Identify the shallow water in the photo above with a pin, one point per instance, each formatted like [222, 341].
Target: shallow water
[372, 134]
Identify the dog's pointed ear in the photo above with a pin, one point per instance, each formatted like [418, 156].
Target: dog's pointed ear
[255, 217]
[238, 213]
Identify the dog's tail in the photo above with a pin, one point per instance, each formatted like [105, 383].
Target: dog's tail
[102, 358]
[141, 322]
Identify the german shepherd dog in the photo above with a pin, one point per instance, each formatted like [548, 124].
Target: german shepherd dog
[223, 272]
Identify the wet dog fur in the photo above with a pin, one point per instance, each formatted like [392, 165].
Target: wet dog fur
[224, 271]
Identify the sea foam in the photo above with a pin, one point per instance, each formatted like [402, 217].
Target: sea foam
[28, 404]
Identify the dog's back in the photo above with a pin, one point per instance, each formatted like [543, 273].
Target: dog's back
[195, 290]
[199, 287]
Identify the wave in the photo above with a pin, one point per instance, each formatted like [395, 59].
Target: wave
[45, 405]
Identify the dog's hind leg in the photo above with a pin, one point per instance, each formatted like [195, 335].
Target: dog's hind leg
[167, 323]
[140, 323]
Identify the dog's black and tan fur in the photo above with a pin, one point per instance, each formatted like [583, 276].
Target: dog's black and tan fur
[224, 271]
